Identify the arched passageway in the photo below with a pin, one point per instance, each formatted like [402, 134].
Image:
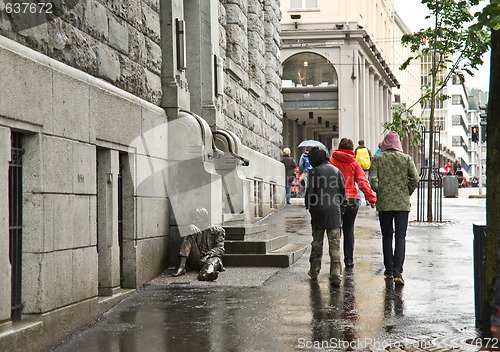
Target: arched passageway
[310, 100]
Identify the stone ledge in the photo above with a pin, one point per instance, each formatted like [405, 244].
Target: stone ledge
[17, 327]
[237, 72]
[272, 104]
[256, 89]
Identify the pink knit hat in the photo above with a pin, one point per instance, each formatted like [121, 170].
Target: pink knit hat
[391, 141]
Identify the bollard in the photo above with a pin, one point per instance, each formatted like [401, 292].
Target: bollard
[450, 186]
[482, 316]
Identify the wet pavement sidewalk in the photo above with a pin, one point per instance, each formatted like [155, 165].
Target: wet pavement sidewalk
[273, 309]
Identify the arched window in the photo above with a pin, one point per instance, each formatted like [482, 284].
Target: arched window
[308, 70]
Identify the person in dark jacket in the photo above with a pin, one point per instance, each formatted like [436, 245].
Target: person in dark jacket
[345, 160]
[290, 166]
[326, 201]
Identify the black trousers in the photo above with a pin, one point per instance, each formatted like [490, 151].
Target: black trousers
[348, 229]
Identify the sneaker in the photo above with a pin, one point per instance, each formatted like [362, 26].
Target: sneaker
[388, 274]
[313, 277]
[398, 278]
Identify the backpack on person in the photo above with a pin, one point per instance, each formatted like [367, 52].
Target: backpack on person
[307, 163]
[363, 158]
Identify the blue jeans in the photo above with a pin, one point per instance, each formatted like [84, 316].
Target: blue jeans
[394, 258]
[288, 190]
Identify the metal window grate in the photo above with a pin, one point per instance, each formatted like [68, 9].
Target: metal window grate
[120, 216]
[16, 224]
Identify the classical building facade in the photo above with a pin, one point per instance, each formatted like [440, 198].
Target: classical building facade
[338, 70]
[409, 91]
[451, 117]
[117, 119]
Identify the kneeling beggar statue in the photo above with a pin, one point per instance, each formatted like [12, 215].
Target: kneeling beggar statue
[203, 248]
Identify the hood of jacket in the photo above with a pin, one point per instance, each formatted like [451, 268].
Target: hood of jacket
[344, 155]
[317, 156]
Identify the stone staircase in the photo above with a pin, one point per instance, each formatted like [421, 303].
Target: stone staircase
[252, 245]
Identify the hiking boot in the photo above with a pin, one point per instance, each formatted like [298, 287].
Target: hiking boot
[313, 277]
[388, 274]
[180, 271]
[398, 278]
[211, 276]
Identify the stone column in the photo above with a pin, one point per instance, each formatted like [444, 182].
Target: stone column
[387, 117]
[202, 30]
[376, 113]
[366, 100]
[173, 79]
[362, 96]
[5, 268]
[372, 109]
[107, 218]
[355, 80]
[347, 96]
[382, 114]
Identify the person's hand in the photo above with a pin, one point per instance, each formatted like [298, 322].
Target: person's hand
[194, 229]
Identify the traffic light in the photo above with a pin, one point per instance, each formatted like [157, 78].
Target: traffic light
[482, 125]
[475, 134]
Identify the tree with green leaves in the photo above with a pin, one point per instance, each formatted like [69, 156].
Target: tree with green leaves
[489, 18]
[450, 36]
[404, 124]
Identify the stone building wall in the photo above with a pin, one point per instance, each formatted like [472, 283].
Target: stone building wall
[250, 42]
[107, 165]
[118, 41]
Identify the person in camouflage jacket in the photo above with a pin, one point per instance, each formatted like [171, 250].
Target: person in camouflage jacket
[394, 177]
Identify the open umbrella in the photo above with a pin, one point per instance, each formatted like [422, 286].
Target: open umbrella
[311, 143]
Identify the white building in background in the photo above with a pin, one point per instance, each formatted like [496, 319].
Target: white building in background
[455, 117]
[477, 150]
[338, 71]
[456, 128]
[341, 70]
[408, 92]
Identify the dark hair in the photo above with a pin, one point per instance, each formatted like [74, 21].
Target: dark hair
[361, 142]
[346, 143]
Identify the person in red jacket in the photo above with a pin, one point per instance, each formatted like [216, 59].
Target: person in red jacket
[345, 160]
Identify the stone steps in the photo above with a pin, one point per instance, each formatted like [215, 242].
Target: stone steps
[282, 257]
[233, 219]
[258, 244]
[240, 232]
[251, 245]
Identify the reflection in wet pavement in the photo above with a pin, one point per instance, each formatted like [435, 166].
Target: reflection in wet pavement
[289, 312]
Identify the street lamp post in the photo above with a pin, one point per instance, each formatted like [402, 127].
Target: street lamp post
[479, 143]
